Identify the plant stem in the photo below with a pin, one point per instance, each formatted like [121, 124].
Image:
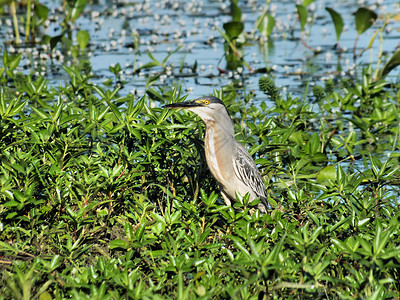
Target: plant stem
[355, 48]
[259, 20]
[15, 21]
[28, 20]
[234, 49]
[306, 45]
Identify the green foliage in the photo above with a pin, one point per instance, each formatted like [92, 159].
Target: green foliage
[364, 18]
[307, 2]
[393, 62]
[303, 15]
[318, 93]
[10, 63]
[233, 29]
[266, 24]
[109, 196]
[267, 85]
[154, 63]
[35, 19]
[41, 12]
[83, 38]
[236, 12]
[234, 36]
[337, 22]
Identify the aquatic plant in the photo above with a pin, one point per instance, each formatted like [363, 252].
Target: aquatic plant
[104, 195]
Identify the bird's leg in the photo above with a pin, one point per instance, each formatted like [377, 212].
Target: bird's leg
[226, 199]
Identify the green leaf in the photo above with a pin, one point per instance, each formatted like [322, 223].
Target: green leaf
[55, 262]
[236, 12]
[83, 38]
[303, 15]
[46, 39]
[140, 230]
[342, 221]
[40, 113]
[337, 22]
[307, 2]
[233, 29]
[116, 111]
[328, 172]
[381, 239]
[57, 111]
[55, 40]
[273, 257]
[14, 62]
[390, 254]
[393, 62]
[5, 58]
[313, 144]
[18, 108]
[366, 246]
[77, 10]
[41, 11]
[242, 249]
[119, 244]
[129, 231]
[364, 19]
[303, 162]
[266, 24]
[45, 295]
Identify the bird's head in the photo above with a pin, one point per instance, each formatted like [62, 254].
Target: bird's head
[208, 108]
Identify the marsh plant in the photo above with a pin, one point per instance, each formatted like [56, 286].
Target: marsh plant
[104, 194]
[109, 196]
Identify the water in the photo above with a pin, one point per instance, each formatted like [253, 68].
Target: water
[159, 27]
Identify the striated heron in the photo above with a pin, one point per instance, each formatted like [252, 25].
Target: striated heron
[229, 162]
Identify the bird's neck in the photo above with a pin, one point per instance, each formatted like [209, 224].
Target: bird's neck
[220, 134]
[219, 144]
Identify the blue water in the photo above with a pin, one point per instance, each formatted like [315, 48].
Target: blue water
[162, 26]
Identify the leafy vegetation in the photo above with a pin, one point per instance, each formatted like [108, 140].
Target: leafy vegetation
[108, 196]
[104, 196]
[37, 14]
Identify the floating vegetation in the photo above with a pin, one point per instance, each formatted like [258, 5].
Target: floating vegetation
[104, 194]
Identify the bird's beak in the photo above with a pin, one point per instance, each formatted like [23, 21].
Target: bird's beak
[186, 104]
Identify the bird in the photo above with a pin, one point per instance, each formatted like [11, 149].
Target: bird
[229, 162]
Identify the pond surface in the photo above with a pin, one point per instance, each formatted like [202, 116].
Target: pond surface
[122, 32]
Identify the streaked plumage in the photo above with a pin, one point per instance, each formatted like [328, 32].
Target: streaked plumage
[229, 162]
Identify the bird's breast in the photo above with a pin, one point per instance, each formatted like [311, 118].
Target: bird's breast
[218, 150]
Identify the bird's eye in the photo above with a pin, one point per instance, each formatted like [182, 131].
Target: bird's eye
[206, 102]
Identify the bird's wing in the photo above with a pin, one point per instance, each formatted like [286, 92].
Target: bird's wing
[247, 171]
